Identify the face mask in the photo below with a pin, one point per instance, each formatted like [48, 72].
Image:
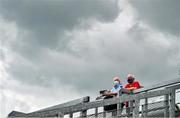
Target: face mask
[130, 81]
[116, 82]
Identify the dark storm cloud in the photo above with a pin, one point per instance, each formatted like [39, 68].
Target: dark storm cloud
[162, 14]
[39, 58]
[137, 51]
[63, 69]
[47, 19]
[95, 57]
[46, 22]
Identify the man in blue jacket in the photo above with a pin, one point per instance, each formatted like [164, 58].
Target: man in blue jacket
[117, 86]
[112, 93]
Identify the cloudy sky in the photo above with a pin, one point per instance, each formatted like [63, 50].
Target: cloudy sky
[52, 51]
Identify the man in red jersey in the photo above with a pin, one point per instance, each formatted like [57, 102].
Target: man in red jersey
[132, 84]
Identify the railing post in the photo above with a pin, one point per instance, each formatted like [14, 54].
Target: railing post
[84, 112]
[172, 104]
[71, 115]
[128, 104]
[114, 113]
[119, 109]
[166, 104]
[136, 108]
[143, 111]
[129, 108]
[146, 107]
[60, 115]
[118, 106]
[96, 112]
[104, 114]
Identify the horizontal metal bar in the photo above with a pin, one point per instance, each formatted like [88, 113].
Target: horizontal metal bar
[15, 114]
[175, 87]
[78, 105]
[159, 85]
[94, 104]
[70, 103]
[155, 109]
[60, 106]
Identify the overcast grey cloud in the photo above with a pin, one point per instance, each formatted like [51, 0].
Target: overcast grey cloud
[163, 14]
[46, 23]
[46, 19]
[78, 46]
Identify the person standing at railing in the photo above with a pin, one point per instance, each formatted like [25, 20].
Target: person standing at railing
[112, 93]
[131, 85]
[117, 86]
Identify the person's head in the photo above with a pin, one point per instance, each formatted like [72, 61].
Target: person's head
[116, 80]
[130, 78]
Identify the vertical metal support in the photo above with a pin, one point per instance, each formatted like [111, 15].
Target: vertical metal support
[104, 114]
[119, 105]
[96, 112]
[83, 113]
[129, 109]
[172, 104]
[60, 115]
[131, 106]
[146, 107]
[71, 115]
[166, 104]
[136, 109]
[119, 109]
[143, 111]
[114, 113]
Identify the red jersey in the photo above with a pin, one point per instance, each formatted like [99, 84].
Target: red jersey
[134, 84]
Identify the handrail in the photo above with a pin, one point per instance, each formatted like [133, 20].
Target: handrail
[70, 103]
[100, 103]
[159, 85]
[67, 104]
[16, 114]
[79, 105]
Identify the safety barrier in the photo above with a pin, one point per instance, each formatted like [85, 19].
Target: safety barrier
[155, 101]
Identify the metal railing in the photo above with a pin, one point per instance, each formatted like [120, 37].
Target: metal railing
[140, 104]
